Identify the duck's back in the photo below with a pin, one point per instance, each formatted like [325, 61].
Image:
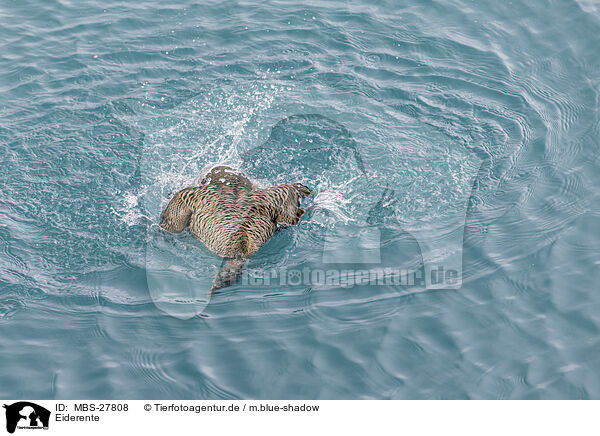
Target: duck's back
[230, 218]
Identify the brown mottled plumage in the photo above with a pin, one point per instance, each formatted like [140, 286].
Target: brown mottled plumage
[231, 216]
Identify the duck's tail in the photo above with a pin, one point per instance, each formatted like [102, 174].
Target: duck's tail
[229, 273]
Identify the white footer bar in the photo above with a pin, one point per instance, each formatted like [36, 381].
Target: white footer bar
[154, 417]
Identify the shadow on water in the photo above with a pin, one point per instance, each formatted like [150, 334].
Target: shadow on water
[311, 142]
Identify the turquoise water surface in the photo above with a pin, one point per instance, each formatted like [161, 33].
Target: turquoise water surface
[454, 133]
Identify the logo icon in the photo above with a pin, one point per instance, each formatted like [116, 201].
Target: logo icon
[26, 415]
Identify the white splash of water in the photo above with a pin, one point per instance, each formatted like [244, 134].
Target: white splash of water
[128, 207]
[336, 198]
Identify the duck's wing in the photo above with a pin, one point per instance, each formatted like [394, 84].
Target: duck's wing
[178, 212]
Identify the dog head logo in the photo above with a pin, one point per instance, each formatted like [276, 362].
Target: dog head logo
[26, 415]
